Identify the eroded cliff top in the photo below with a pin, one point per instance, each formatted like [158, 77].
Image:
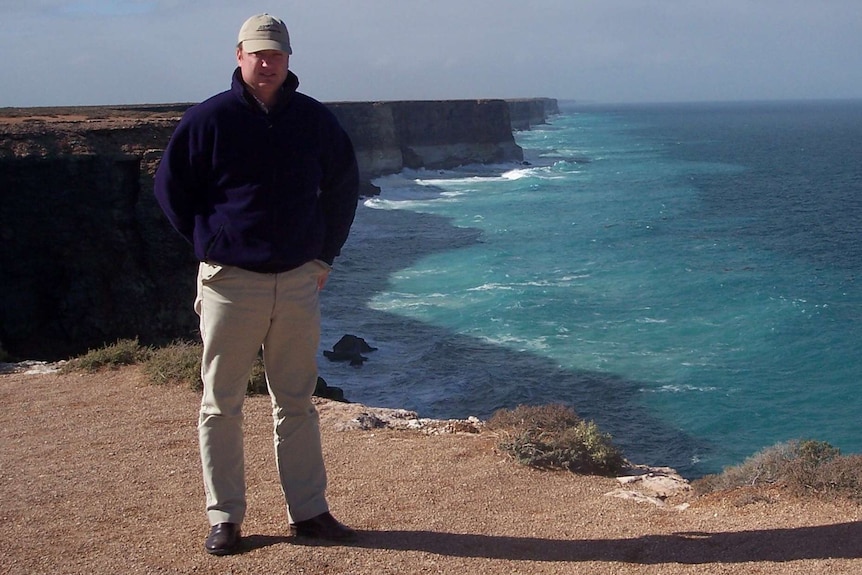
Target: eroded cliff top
[33, 119]
[35, 132]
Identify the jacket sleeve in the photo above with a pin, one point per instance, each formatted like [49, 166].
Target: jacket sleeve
[175, 182]
[339, 192]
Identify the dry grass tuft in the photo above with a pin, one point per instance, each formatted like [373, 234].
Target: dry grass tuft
[120, 353]
[175, 364]
[802, 467]
[554, 437]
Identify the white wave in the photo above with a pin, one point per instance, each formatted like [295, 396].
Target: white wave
[514, 342]
[412, 305]
[679, 388]
[394, 204]
[516, 174]
[540, 172]
[492, 287]
[460, 181]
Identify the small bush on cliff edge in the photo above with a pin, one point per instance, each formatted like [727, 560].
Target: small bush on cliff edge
[112, 356]
[554, 437]
[806, 467]
[180, 364]
[175, 364]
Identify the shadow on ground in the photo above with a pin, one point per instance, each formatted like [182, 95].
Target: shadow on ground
[841, 541]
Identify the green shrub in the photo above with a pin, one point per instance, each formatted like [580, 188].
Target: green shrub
[803, 467]
[122, 352]
[180, 364]
[176, 364]
[554, 437]
[840, 476]
[767, 467]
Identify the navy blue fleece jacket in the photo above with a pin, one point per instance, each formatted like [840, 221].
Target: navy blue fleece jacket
[266, 192]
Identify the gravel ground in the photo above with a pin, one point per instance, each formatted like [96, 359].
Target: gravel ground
[100, 474]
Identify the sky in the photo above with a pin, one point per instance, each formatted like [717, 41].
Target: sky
[102, 52]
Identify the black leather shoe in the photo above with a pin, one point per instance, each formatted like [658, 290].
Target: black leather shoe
[223, 539]
[324, 526]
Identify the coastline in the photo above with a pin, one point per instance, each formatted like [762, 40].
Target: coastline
[385, 241]
[154, 264]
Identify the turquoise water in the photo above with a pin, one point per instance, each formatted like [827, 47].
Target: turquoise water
[685, 275]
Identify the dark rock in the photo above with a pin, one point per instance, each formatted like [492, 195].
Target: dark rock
[322, 389]
[349, 348]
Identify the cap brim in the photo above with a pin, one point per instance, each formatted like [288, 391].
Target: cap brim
[260, 45]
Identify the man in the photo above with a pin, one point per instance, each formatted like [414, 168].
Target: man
[263, 182]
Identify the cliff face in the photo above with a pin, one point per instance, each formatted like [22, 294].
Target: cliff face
[391, 136]
[86, 256]
[85, 253]
[528, 112]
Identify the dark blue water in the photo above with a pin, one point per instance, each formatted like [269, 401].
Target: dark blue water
[685, 275]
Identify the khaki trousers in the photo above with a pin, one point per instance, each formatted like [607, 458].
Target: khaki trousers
[240, 312]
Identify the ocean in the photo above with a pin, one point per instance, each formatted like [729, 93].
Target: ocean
[685, 275]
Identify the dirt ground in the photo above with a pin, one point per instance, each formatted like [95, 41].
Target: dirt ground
[100, 474]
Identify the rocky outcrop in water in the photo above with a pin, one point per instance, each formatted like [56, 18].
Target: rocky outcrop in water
[85, 253]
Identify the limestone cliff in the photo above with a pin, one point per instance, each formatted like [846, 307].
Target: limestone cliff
[391, 136]
[85, 253]
[528, 112]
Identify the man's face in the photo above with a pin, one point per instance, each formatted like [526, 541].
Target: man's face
[265, 71]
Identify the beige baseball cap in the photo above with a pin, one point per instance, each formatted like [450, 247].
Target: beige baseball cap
[264, 32]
